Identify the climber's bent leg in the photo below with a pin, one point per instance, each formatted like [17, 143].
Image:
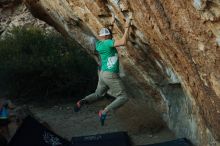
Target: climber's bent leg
[118, 91]
[101, 90]
[118, 102]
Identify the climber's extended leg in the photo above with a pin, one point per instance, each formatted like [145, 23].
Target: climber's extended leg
[101, 90]
[115, 84]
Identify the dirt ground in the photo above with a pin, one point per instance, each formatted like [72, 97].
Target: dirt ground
[142, 125]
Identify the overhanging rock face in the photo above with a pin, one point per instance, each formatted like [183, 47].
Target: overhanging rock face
[172, 55]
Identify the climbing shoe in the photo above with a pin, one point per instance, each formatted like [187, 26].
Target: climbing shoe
[79, 104]
[102, 117]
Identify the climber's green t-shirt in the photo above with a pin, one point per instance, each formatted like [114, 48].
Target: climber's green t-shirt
[108, 55]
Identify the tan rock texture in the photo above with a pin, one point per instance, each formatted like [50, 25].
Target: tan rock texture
[171, 59]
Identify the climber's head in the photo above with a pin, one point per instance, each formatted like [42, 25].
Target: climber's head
[105, 33]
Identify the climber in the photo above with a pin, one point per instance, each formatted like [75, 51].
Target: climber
[109, 74]
[5, 106]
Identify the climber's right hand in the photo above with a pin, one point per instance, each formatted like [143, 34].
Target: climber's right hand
[128, 21]
[113, 19]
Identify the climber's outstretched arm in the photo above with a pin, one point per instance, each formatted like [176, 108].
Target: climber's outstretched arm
[123, 40]
[112, 22]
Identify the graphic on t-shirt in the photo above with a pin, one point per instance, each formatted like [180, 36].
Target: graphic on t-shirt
[112, 61]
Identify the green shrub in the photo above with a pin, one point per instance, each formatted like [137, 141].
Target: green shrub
[38, 64]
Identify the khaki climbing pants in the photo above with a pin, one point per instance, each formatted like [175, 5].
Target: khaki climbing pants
[109, 81]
